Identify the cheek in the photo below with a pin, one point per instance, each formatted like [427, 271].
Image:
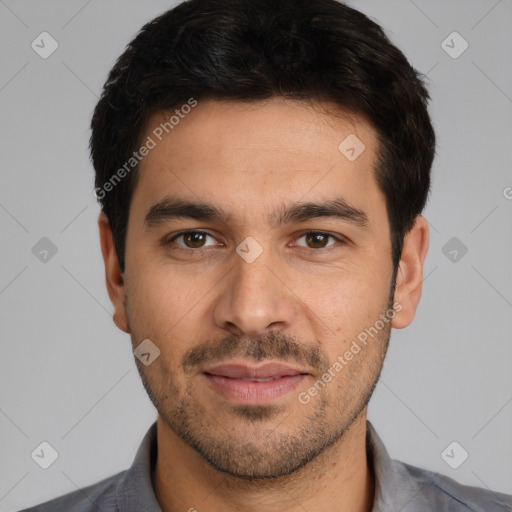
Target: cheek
[156, 303]
[341, 309]
[171, 304]
[349, 298]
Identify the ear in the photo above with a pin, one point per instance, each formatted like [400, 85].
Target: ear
[410, 273]
[113, 275]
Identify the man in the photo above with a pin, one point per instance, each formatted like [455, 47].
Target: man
[262, 166]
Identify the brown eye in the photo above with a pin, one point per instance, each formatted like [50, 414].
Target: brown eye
[318, 240]
[191, 239]
[194, 239]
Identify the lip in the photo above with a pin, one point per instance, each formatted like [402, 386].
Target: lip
[244, 371]
[239, 382]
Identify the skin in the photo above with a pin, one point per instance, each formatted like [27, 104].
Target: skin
[312, 295]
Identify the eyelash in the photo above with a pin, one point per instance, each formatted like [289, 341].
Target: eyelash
[324, 233]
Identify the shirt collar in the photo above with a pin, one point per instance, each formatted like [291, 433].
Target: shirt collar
[135, 490]
[393, 484]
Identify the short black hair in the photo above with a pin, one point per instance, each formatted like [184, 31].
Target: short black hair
[253, 50]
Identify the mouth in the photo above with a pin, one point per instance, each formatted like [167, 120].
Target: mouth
[253, 384]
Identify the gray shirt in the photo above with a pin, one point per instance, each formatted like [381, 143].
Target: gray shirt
[399, 487]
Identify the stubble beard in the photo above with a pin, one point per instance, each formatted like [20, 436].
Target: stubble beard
[270, 451]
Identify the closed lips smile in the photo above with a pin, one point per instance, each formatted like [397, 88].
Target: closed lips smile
[253, 385]
[254, 379]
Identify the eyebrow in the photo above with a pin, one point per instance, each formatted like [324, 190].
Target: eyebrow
[171, 208]
[337, 208]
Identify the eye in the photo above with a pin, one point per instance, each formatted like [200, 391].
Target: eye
[191, 239]
[318, 240]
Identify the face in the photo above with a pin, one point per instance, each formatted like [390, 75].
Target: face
[258, 300]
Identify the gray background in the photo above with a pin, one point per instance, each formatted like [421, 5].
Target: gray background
[67, 375]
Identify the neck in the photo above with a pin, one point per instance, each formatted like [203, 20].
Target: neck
[339, 479]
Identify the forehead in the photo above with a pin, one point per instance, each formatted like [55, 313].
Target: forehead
[247, 156]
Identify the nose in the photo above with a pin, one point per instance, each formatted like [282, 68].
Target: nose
[254, 298]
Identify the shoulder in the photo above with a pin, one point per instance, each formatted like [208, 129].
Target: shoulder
[440, 492]
[99, 496]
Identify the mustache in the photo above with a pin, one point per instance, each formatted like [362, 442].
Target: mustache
[273, 345]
